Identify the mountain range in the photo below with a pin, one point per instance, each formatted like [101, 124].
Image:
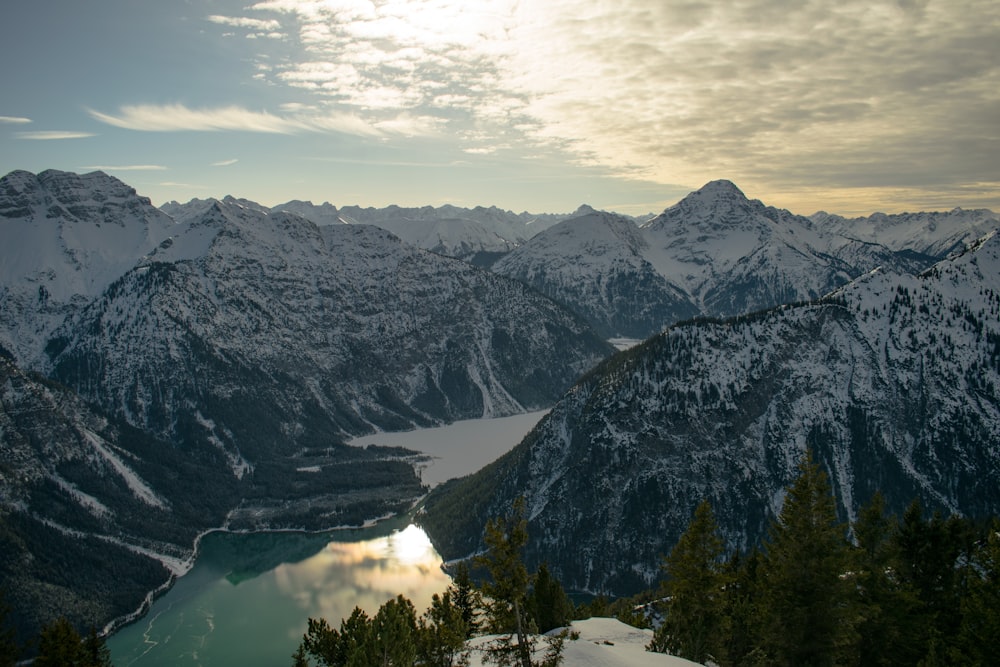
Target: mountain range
[172, 370]
[249, 343]
[893, 381]
[715, 253]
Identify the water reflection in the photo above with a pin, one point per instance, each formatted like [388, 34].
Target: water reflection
[257, 617]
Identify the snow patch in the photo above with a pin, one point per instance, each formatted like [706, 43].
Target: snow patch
[138, 487]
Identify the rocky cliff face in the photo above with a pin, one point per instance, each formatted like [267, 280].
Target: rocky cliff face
[893, 381]
[63, 239]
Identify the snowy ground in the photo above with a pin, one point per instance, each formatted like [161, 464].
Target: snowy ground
[606, 642]
[624, 343]
[461, 448]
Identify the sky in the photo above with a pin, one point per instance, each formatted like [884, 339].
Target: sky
[531, 105]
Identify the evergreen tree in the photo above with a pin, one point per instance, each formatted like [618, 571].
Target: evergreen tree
[506, 592]
[9, 651]
[804, 606]
[442, 634]
[980, 629]
[299, 658]
[929, 555]
[393, 635]
[466, 599]
[741, 617]
[95, 650]
[548, 603]
[338, 648]
[693, 591]
[884, 603]
[59, 645]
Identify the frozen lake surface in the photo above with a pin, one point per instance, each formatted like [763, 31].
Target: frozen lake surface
[461, 448]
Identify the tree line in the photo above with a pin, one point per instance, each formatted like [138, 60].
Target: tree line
[883, 591]
[57, 645]
[913, 590]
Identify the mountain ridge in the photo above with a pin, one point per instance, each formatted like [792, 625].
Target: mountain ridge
[893, 381]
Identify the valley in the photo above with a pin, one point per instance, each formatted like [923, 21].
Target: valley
[172, 370]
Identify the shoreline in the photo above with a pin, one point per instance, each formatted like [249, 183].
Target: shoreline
[124, 620]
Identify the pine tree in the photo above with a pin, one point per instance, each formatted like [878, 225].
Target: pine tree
[9, 651]
[442, 634]
[693, 591]
[884, 603]
[95, 650]
[981, 606]
[804, 607]
[392, 640]
[741, 617]
[59, 645]
[929, 555]
[299, 658]
[508, 586]
[338, 648]
[466, 598]
[548, 603]
[507, 592]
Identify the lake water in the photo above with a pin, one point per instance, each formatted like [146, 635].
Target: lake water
[248, 597]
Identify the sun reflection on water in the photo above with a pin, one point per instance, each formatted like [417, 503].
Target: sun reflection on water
[259, 620]
[364, 574]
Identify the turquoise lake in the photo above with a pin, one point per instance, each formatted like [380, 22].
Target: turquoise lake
[248, 597]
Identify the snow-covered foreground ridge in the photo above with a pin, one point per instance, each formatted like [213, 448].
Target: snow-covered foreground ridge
[602, 642]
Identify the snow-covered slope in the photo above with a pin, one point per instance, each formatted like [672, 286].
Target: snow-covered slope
[63, 239]
[282, 333]
[601, 642]
[715, 253]
[893, 381]
[935, 233]
[448, 230]
[595, 263]
[94, 514]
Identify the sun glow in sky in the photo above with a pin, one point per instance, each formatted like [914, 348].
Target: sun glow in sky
[850, 106]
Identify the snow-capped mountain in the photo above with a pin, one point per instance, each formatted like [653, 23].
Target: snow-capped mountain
[478, 235]
[715, 253]
[280, 333]
[206, 370]
[893, 381]
[64, 238]
[935, 233]
[595, 263]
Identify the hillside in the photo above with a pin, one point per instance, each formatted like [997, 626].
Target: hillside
[893, 381]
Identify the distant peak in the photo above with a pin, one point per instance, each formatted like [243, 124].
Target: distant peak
[720, 188]
[585, 209]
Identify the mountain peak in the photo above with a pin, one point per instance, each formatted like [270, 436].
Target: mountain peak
[720, 190]
[718, 204]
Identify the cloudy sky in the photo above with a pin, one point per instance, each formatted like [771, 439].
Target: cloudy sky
[540, 105]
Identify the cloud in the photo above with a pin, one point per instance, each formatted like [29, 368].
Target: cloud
[301, 118]
[225, 163]
[53, 135]
[177, 117]
[248, 23]
[14, 120]
[127, 167]
[867, 93]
